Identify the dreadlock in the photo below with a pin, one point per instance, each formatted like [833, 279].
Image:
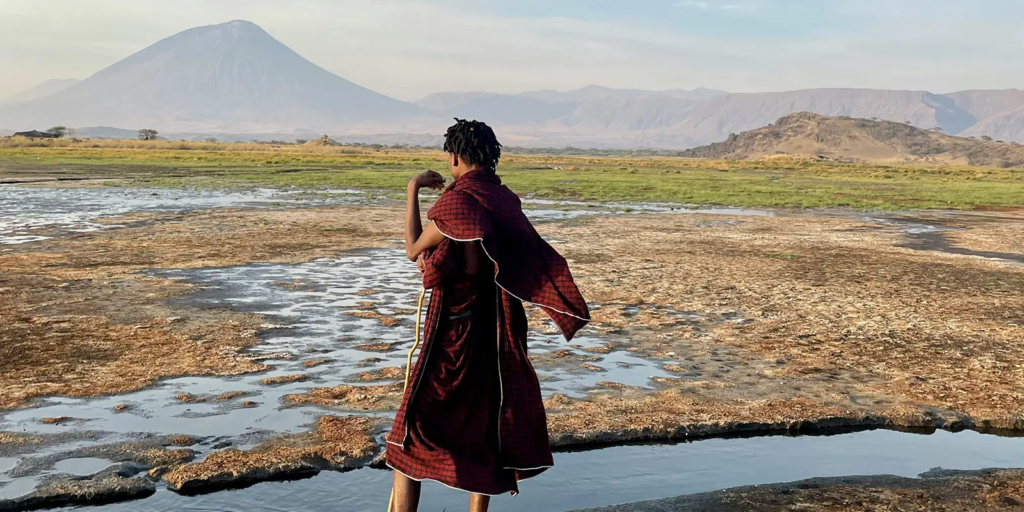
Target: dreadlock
[473, 142]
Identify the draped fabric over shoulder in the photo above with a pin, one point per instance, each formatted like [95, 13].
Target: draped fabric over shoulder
[472, 417]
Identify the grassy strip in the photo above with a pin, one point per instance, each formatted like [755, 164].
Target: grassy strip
[769, 183]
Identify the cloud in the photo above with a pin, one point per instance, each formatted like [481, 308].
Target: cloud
[711, 5]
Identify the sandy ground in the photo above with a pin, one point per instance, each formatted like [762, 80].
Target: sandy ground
[761, 323]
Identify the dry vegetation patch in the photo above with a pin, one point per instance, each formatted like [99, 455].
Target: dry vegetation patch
[984, 491]
[849, 313]
[77, 318]
[362, 398]
[336, 442]
[385, 320]
[389, 373]
[670, 414]
[286, 379]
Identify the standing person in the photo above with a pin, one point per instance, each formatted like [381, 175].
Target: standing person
[472, 417]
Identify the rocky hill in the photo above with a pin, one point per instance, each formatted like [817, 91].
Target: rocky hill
[807, 134]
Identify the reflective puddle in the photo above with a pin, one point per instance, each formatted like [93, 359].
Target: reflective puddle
[634, 473]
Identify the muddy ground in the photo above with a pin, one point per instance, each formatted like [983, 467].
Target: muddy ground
[753, 324]
[939, 491]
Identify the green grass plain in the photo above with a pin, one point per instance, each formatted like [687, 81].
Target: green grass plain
[782, 183]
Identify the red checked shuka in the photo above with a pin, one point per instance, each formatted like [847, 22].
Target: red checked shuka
[472, 417]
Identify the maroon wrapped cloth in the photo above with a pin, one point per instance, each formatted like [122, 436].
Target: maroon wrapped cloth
[472, 416]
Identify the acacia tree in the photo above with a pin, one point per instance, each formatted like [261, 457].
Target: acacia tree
[59, 131]
[147, 134]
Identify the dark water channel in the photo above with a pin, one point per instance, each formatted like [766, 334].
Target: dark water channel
[937, 241]
[633, 473]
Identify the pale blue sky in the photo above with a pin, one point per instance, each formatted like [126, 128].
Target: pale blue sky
[410, 48]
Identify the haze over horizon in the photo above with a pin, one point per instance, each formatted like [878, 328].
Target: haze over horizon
[410, 49]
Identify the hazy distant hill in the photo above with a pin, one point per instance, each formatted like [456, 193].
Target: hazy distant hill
[589, 106]
[236, 80]
[502, 110]
[232, 76]
[594, 92]
[810, 134]
[42, 90]
[680, 119]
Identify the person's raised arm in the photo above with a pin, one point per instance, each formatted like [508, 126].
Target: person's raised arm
[417, 239]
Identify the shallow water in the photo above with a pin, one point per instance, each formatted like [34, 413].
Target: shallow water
[82, 466]
[24, 209]
[309, 308]
[634, 473]
[309, 305]
[617, 366]
[547, 209]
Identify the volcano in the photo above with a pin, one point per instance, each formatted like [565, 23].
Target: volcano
[228, 77]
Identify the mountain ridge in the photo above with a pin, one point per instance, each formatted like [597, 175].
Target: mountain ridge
[235, 78]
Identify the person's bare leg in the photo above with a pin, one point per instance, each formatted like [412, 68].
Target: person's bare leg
[407, 494]
[478, 502]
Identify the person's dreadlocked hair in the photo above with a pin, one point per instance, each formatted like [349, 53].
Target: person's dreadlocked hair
[473, 142]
